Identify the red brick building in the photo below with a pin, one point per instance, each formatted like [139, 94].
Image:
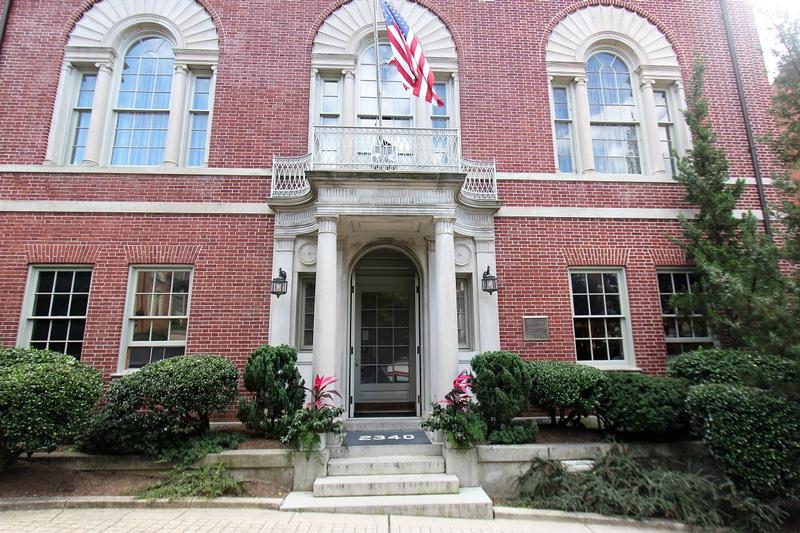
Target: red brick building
[162, 162]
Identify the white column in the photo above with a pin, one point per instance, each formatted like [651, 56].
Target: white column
[583, 126]
[349, 98]
[177, 115]
[445, 327]
[652, 138]
[57, 141]
[97, 122]
[326, 321]
[488, 312]
[280, 309]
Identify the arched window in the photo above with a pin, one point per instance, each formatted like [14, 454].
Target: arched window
[614, 115]
[136, 87]
[396, 102]
[142, 103]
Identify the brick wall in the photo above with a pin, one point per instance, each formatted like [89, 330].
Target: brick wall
[231, 255]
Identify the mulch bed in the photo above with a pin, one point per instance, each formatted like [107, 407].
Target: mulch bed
[569, 435]
[255, 443]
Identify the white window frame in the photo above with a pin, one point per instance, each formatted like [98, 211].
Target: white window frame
[302, 279]
[202, 72]
[74, 112]
[629, 358]
[25, 329]
[469, 309]
[568, 89]
[127, 328]
[708, 339]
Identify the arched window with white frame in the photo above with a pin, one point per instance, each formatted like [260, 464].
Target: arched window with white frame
[614, 115]
[136, 87]
[616, 95]
[397, 107]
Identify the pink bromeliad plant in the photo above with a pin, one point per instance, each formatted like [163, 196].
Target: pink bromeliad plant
[456, 417]
[320, 416]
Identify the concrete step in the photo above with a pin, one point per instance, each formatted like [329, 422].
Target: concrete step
[391, 450]
[372, 466]
[385, 485]
[381, 424]
[469, 502]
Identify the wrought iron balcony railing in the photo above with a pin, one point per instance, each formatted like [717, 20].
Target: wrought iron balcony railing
[383, 150]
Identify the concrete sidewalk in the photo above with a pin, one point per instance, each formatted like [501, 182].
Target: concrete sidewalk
[247, 520]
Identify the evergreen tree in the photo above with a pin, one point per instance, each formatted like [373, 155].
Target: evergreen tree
[786, 94]
[746, 298]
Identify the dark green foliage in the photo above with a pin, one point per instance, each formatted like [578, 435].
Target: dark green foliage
[753, 434]
[637, 403]
[209, 481]
[46, 399]
[568, 390]
[462, 428]
[620, 485]
[516, 433]
[271, 374]
[786, 94]
[718, 365]
[742, 291]
[303, 427]
[501, 384]
[162, 404]
[195, 448]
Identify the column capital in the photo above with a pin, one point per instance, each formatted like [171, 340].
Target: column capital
[106, 67]
[454, 76]
[647, 83]
[181, 68]
[283, 244]
[327, 224]
[349, 72]
[580, 80]
[444, 224]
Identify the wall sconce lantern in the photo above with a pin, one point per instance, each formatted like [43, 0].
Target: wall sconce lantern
[489, 282]
[279, 284]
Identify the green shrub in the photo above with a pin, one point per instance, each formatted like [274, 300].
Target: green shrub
[637, 403]
[717, 365]
[304, 426]
[271, 374]
[46, 399]
[209, 481]
[162, 404]
[754, 436]
[195, 448]
[501, 384]
[623, 486]
[516, 433]
[568, 390]
[462, 428]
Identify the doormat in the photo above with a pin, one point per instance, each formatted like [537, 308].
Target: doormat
[385, 438]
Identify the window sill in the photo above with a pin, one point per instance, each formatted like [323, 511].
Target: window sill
[123, 373]
[612, 368]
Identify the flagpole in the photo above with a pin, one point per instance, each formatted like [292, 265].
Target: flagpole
[377, 65]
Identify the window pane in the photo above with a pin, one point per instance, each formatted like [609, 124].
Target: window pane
[599, 338]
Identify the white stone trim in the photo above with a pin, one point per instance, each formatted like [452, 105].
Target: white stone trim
[103, 24]
[578, 31]
[344, 30]
[157, 171]
[606, 212]
[178, 208]
[602, 178]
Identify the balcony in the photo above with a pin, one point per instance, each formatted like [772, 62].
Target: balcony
[383, 150]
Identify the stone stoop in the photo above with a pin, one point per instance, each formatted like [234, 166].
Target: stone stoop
[390, 479]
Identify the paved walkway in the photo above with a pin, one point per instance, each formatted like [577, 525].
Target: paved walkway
[247, 520]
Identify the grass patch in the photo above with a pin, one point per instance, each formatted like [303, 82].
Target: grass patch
[622, 486]
[208, 481]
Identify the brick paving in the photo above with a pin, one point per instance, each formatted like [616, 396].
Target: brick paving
[252, 520]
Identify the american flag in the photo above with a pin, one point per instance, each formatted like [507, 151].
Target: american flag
[408, 57]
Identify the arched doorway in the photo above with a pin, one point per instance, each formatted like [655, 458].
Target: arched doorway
[385, 338]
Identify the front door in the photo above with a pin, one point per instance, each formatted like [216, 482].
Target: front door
[385, 346]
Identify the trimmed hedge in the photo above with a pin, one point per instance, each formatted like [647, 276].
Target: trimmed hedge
[568, 390]
[271, 373]
[501, 383]
[162, 404]
[636, 403]
[754, 435]
[717, 365]
[46, 399]
[517, 433]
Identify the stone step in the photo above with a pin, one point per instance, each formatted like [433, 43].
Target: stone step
[381, 424]
[469, 502]
[366, 466]
[385, 485]
[389, 450]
